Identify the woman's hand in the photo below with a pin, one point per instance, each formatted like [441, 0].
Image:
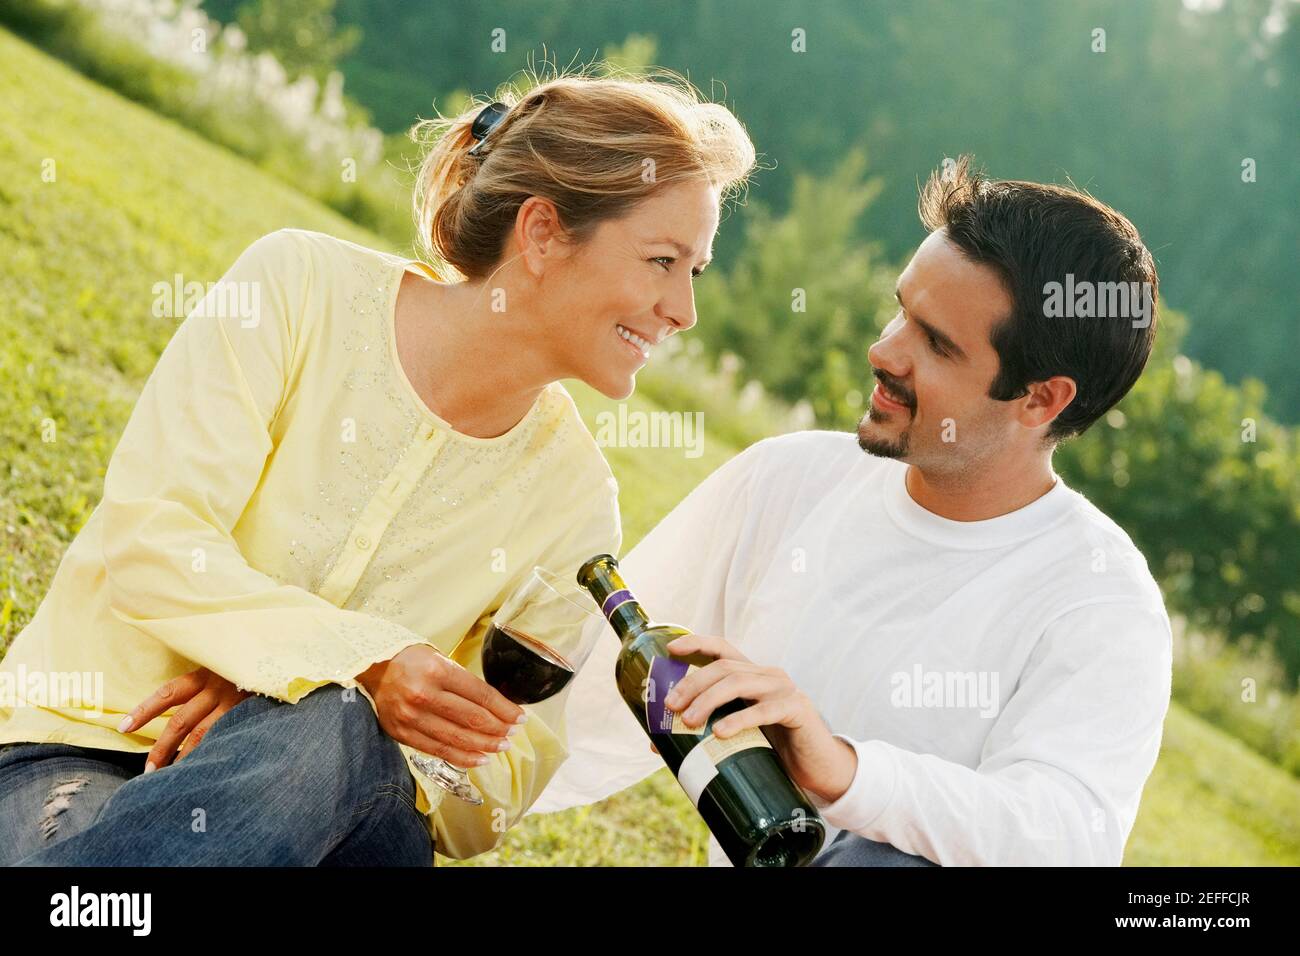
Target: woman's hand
[205, 696]
[816, 760]
[428, 701]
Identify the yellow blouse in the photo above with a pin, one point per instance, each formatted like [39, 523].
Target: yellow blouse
[283, 509]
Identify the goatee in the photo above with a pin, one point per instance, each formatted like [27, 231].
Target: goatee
[880, 447]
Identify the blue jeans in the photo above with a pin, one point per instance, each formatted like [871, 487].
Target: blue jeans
[317, 783]
[849, 849]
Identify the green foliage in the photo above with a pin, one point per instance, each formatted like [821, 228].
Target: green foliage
[1241, 690]
[1212, 801]
[680, 378]
[1157, 125]
[1209, 490]
[374, 199]
[301, 34]
[634, 55]
[803, 299]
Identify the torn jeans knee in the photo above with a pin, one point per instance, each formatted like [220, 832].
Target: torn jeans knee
[58, 800]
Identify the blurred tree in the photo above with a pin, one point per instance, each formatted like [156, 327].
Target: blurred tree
[302, 34]
[1157, 125]
[803, 300]
[634, 55]
[1209, 489]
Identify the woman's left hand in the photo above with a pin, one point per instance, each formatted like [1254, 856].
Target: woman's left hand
[200, 696]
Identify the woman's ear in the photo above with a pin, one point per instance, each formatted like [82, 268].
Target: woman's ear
[539, 235]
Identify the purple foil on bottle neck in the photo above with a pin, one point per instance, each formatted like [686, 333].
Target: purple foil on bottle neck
[614, 600]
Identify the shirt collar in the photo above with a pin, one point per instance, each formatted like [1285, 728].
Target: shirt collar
[1015, 526]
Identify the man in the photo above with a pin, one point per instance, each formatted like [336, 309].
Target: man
[959, 658]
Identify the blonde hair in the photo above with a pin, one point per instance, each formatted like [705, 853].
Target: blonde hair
[584, 142]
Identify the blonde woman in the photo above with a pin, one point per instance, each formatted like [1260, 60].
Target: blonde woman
[342, 464]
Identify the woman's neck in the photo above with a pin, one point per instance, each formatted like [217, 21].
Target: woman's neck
[479, 370]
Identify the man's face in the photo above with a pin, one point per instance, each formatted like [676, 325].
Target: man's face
[936, 359]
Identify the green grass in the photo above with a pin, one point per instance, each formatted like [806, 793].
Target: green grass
[136, 199]
[1212, 801]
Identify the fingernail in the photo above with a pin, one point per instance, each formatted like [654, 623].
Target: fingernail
[672, 700]
[149, 767]
[512, 731]
[124, 723]
[522, 718]
[504, 745]
[480, 761]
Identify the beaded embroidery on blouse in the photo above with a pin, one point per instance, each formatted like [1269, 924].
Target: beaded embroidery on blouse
[462, 470]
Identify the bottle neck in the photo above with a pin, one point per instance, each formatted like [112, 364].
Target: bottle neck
[601, 578]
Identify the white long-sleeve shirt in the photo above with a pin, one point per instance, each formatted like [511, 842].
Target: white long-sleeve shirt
[1004, 682]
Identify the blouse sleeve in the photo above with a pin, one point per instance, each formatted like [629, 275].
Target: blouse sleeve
[510, 782]
[679, 573]
[188, 461]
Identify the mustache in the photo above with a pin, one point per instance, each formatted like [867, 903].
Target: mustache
[891, 384]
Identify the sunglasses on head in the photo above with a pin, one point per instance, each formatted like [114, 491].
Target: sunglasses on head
[487, 120]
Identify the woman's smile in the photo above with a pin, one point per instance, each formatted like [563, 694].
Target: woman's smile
[639, 344]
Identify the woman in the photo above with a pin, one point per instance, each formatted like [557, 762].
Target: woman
[342, 464]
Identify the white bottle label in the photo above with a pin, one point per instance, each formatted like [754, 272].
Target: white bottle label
[701, 764]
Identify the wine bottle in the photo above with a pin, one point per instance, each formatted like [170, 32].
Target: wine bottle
[754, 810]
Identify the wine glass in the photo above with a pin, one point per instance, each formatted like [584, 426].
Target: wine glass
[538, 639]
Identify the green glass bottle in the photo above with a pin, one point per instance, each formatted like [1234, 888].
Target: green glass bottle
[754, 810]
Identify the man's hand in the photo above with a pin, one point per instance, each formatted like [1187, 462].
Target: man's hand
[814, 758]
[428, 701]
[201, 696]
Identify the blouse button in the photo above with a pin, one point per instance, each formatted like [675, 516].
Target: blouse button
[363, 542]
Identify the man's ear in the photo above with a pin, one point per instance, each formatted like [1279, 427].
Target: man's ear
[539, 235]
[1046, 400]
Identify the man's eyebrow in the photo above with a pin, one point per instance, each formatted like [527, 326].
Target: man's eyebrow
[681, 249]
[939, 336]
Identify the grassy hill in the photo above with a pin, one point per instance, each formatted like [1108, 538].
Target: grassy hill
[133, 199]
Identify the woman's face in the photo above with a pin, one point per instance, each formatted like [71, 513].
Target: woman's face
[628, 287]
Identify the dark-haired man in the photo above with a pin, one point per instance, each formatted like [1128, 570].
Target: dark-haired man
[960, 659]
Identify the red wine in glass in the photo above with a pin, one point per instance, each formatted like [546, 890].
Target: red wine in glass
[524, 670]
[522, 667]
